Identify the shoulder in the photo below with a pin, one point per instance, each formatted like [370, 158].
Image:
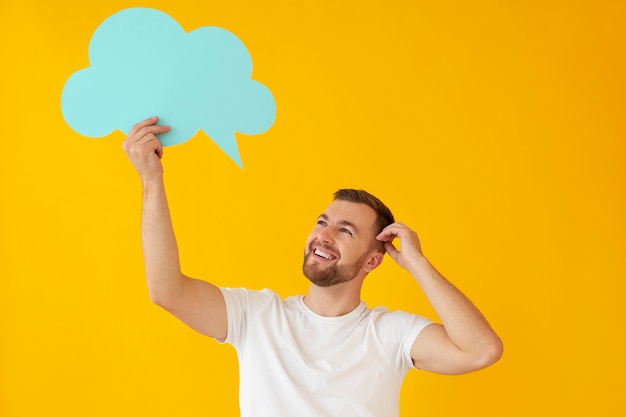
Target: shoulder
[397, 323]
[248, 296]
[396, 332]
[247, 300]
[383, 314]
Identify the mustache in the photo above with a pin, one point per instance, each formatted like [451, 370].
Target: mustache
[309, 251]
[323, 246]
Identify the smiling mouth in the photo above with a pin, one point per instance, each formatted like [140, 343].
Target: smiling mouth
[325, 255]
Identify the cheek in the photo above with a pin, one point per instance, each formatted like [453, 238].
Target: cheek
[352, 254]
[309, 240]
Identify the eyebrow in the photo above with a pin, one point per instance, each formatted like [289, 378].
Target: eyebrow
[341, 222]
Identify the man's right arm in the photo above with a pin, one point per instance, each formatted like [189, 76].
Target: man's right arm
[197, 303]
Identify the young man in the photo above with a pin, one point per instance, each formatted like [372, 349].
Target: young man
[325, 353]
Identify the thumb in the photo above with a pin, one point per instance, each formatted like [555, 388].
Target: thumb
[392, 250]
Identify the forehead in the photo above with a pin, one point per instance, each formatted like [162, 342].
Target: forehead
[360, 215]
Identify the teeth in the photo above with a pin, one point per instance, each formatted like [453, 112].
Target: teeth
[323, 254]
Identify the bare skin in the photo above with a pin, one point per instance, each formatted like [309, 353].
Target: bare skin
[342, 243]
[464, 342]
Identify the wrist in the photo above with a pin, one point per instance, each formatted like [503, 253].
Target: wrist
[149, 182]
[417, 264]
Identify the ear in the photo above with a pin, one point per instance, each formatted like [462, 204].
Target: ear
[374, 260]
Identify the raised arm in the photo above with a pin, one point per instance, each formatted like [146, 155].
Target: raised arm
[197, 303]
[464, 342]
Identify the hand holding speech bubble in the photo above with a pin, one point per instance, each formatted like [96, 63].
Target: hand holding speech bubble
[142, 63]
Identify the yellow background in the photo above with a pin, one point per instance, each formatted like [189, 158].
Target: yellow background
[495, 129]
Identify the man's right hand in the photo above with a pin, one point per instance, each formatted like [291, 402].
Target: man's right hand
[144, 149]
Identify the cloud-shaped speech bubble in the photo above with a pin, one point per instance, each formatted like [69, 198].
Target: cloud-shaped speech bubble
[142, 63]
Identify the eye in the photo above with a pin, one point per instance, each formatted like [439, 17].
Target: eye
[346, 231]
[321, 223]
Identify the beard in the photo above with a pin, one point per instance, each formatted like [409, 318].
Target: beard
[327, 276]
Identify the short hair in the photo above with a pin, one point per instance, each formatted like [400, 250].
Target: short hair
[384, 217]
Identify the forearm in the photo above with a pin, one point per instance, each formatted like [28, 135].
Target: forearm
[465, 325]
[465, 342]
[160, 250]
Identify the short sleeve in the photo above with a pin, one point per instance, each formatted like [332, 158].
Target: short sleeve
[397, 331]
[236, 309]
[241, 305]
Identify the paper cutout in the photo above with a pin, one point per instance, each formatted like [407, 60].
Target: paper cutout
[142, 64]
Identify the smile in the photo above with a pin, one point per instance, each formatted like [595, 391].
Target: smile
[324, 255]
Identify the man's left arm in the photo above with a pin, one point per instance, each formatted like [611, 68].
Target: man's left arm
[465, 341]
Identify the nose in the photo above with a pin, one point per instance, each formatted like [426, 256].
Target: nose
[325, 236]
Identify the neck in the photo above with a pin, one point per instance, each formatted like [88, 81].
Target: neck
[336, 300]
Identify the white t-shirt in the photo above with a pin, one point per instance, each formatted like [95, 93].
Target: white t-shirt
[295, 363]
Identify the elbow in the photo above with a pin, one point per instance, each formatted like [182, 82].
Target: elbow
[157, 297]
[491, 352]
[165, 291]
[484, 355]
[161, 297]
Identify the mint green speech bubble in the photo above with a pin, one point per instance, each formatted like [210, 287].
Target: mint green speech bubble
[142, 63]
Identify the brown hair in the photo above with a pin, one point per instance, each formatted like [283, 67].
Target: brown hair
[384, 217]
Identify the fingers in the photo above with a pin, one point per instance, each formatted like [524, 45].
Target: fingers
[151, 121]
[146, 128]
[144, 148]
[144, 133]
[391, 249]
[148, 122]
[409, 241]
[392, 231]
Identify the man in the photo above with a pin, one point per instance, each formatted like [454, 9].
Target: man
[325, 353]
